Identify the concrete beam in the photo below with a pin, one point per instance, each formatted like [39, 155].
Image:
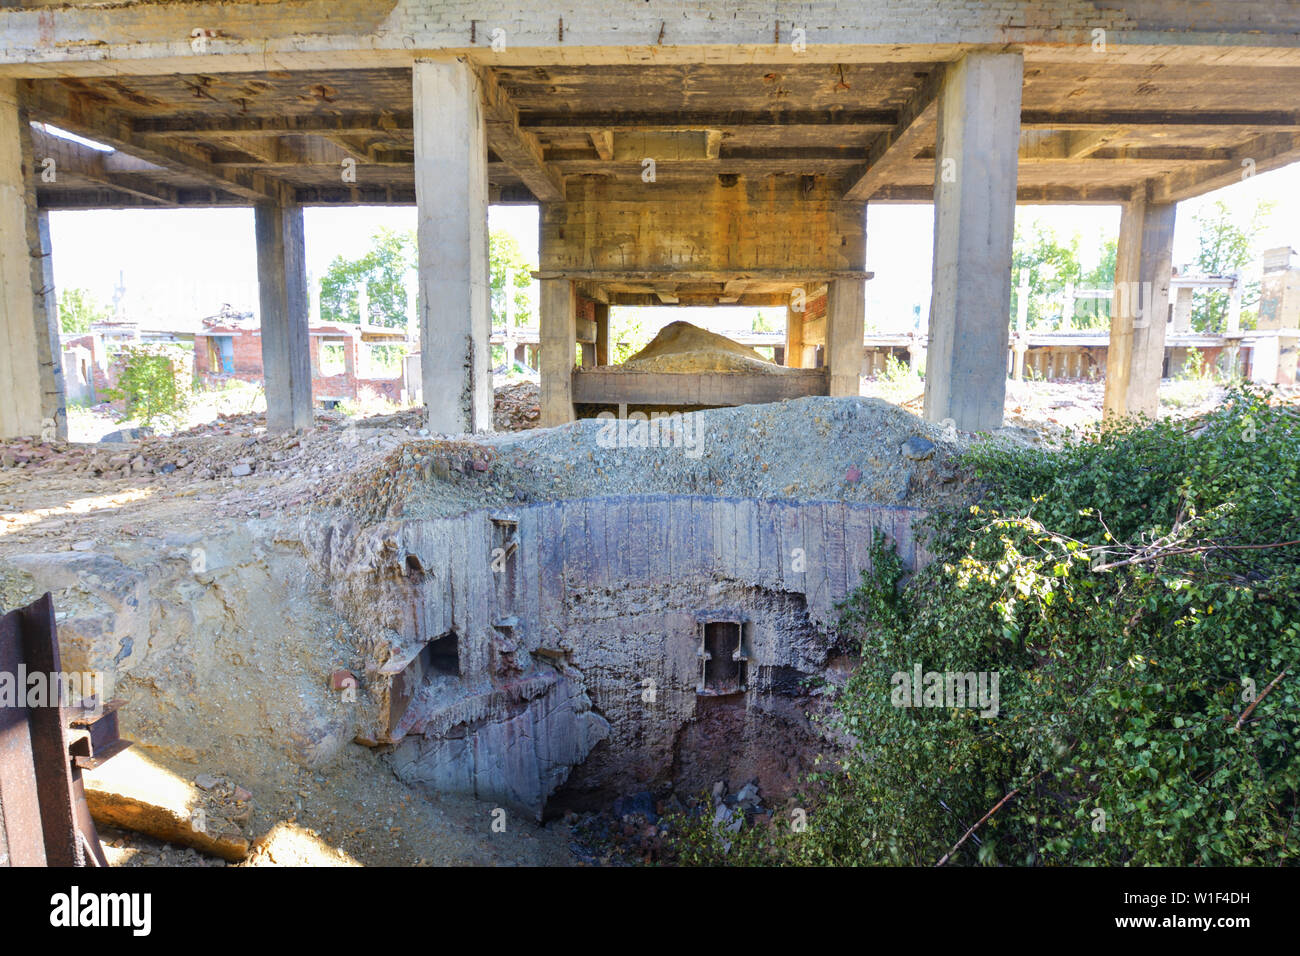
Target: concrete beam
[285, 307]
[451, 190]
[974, 218]
[112, 170]
[1260, 154]
[219, 127]
[83, 115]
[569, 123]
[1025, 195]
[1143, 268]
[31, 373]
[517, 147]
[602, 333]
[845, 317]
[900, 145]
[558, 336]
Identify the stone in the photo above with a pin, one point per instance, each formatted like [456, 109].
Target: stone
[918, 448]
[205, 781]
[241, 469]
[638, 804]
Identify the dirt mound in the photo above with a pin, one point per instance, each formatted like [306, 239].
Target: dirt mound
[682, 347]
[852, 449]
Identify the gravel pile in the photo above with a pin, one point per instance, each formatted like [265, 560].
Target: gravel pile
[852, 449]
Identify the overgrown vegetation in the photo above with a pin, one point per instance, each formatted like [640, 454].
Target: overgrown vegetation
[155, 383]
[1138, 596]
[78, 308]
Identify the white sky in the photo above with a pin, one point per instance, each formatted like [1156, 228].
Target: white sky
[182, 264]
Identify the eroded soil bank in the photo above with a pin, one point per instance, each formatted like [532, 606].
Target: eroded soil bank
[275, 608]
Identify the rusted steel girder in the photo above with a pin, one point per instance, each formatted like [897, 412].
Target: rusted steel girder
[44, 820]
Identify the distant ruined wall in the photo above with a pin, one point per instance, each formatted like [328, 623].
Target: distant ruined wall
[577, 629]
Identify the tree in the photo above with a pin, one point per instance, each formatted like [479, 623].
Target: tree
[382, 271]
[1225, 247]
[78, 308]
[392, 258]
[1050, 265]
[505, 260]
[155, 383]
[1102, 276]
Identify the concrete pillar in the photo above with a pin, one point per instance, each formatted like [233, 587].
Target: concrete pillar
[558, 338]
[1020, 342]
[916, 354]
[974, 218]
[1264, 360]
[31, 364]
[1139, 311]
[793, 337]
[602, 333]
[1183, 309]
[451, 193]
[282, 294]
[845, 317]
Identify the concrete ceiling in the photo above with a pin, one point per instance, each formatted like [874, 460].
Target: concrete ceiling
[1090, 132]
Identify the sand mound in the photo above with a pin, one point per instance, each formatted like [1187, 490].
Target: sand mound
[682, 347]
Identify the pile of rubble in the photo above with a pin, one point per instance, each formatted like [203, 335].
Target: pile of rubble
[517, 406]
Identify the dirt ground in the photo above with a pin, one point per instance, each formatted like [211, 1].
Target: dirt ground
[66, 502]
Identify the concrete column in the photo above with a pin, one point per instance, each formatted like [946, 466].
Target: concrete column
[916, 355]
[793, 337]
[558, 338]
[451, 193]
[1139, 311]
[845, 317]
[602, 333]
[1020, 341]
[31, 363]
[974, 217]
[282, 294]
[1183, 309]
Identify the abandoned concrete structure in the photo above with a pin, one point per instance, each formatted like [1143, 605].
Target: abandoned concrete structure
[680, 153]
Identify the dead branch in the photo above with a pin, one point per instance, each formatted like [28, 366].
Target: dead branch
[996, 807]
[1255, 703]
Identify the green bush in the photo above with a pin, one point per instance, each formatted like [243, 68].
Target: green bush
[154, 383]
[1138, 595]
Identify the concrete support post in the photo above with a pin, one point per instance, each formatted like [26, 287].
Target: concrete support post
[1234, 324]
[974, 217]
[558, 337]
[1020, 341]
[793, 337]
[284, 302]
[31, 362]
[845, 317]
[1139, 311]
[602, 333]
[916, 354]
[451, 193]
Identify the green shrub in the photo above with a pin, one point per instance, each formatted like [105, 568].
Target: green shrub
[1138, 595]
[154, 382]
